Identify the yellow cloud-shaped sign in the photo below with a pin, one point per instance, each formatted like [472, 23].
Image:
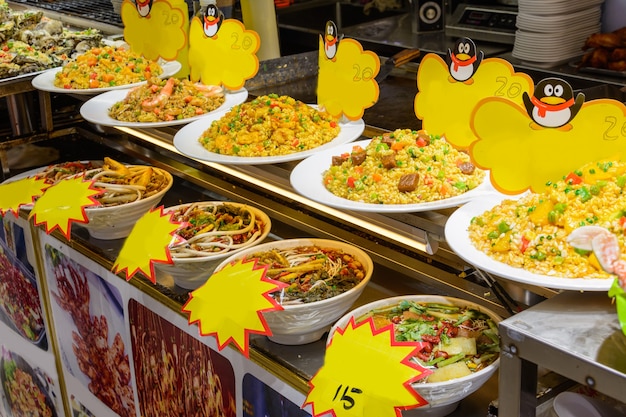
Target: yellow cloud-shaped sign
[523, 156]
[346, 84]
[228, 58]
[444, 105]
[161, 34]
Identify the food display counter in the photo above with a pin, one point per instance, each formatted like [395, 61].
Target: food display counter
[409, 250]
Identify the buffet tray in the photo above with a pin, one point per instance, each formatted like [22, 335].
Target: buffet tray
[21, 78]
[598, 71]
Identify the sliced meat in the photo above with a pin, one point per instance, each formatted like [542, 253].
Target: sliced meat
[338, 159]
[358, 157]
[387, 140]
[408, 182]
[467, 168]
[389, 161]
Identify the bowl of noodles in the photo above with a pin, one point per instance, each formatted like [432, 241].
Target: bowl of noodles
[458, 343]
[129, 191]
[210, 231]
[325, 277]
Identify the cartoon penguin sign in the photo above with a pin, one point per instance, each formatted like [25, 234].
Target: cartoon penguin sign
[331, 40]
[464, 60]
[143, 7]
[212, 20]
[552, 104]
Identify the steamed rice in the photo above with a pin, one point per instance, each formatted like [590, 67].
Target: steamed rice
[531, 232]
[435, 161]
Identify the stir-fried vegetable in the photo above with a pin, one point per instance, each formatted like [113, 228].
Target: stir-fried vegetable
[313, 273]
[454, 341]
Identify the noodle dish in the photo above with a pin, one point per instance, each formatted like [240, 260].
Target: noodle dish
[209, 232]
[123, 184]
[325, 277]
[128, 192]
[457, 344]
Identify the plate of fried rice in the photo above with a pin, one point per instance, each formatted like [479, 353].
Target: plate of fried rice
[524, 238]
[266, 130]
[404, 175]
[147, 106]
[103, 69]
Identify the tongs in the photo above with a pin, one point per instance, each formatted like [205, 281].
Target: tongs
[501, 294]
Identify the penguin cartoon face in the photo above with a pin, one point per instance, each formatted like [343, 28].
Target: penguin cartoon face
[331, 39]
[464, 49]
[212, 20]
[553, 91]
[553, 103]
[463, 60]
[143, 7]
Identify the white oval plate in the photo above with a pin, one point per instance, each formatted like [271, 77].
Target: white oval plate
[45, 81]
[307, 176]
[458, 238]
[186, 141]
[96, 109]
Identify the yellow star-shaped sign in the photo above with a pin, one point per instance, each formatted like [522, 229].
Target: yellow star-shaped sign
[64, 203]
[212, 306]
[18, 193]
[346, 388]
[147, 244]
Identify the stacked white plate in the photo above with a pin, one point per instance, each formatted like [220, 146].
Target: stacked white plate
[552, 32]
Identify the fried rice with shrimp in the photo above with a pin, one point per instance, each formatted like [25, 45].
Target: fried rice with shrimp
[402, 167]
[163, 100]
[106, 66]
[531, 232]
[270, 125]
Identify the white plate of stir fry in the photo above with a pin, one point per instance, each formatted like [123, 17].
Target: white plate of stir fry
[45, 81]
[160, 103]
[458, 237]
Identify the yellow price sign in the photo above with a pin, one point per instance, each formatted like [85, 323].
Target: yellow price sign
[222, 52]
[345, 387]
[518, 148]
[157, 28]
[448, 90]
[19, 193]
[211, 306]
[346, 81]
[147, 244]
[65, 203]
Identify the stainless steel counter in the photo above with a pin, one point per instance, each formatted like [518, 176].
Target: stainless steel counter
[574, 334]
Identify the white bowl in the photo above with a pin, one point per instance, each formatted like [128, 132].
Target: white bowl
[192, 272]
[443, 397]
[116, 222]
[299, 324]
